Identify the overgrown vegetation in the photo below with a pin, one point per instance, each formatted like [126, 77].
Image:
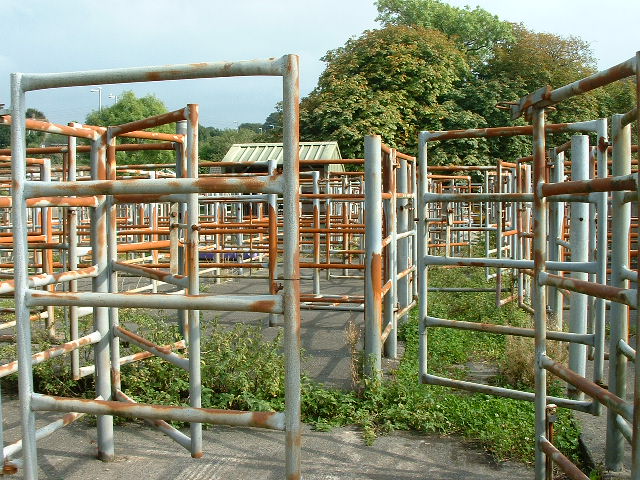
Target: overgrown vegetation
[241, 370]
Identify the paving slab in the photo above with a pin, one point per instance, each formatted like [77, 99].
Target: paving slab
[594, 428]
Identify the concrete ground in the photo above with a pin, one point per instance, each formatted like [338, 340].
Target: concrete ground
[241, 453]
[594, 429]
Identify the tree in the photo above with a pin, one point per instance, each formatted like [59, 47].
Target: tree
[217, 146]
[130, 108]
[255, 127]
[5, 136]
[272, 126]
[438, 67]
[33, 138]
[475, 31]
[508, 61]
[388, 82]
[534, 59]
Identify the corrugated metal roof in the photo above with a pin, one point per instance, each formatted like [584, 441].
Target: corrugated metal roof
[262, 152]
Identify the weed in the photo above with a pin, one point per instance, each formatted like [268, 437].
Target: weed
[353, 334]
[519, 359]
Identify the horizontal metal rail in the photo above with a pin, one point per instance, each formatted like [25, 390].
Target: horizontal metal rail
[43, 279]
[615, 294]
[603, 395]
[478, 262]
[171, 432]
[37, 81]
[58, 350]
[157, 350]
[42, 432]
[237, 418]
[135, 357]
[579, 405]
[563, 462]
[609, 184]
[151, 273]
[478, 197]
[234, 303]
[255, 184]
[627, 350]
[585, 339]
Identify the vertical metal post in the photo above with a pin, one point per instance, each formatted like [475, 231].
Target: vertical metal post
[21, 258]
[526, 226]
[99, 248]
[513, 216]
[72, 222]
[390, 299]
[519, 239]
[291, 264]
[578, 239]
[373, 254]
[153, 225]
[602, 240]
[273, 242]
[422, 239]
[413, 219]
[635, 441]
[315, 176]
[47, 255]
[447, 217]
[539, 293]
[193, 265]
[180, 209]
[327, 223]
[556, 219]
[403, 259]
[620, 222]
[487, 224]
[239, 236]
[112, 256]
[345, 235]
[499, 230]
[591, 251]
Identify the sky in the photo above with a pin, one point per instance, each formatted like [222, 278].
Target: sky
[72, 35]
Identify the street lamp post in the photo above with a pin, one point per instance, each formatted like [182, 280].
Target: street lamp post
[114, 97]
[99, 90]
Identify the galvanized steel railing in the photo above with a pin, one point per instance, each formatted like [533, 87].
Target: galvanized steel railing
[103, 192]
[390, 248]
[588, 284]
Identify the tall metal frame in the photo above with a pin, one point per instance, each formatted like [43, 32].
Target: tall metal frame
[389, 254]
[102, 191]
[588, 277]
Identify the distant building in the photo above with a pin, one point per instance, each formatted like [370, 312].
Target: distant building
[259, 154]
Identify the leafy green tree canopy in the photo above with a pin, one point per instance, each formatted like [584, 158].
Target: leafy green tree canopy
[130, 108]
[438, 67]
[387, 82]
[535, 59]
[215, 147]
[476, 31]
[33, 139]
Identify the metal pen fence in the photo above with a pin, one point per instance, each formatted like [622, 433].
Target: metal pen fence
[102, 194]
[580, 273]
[559, 238]
[390, 268]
